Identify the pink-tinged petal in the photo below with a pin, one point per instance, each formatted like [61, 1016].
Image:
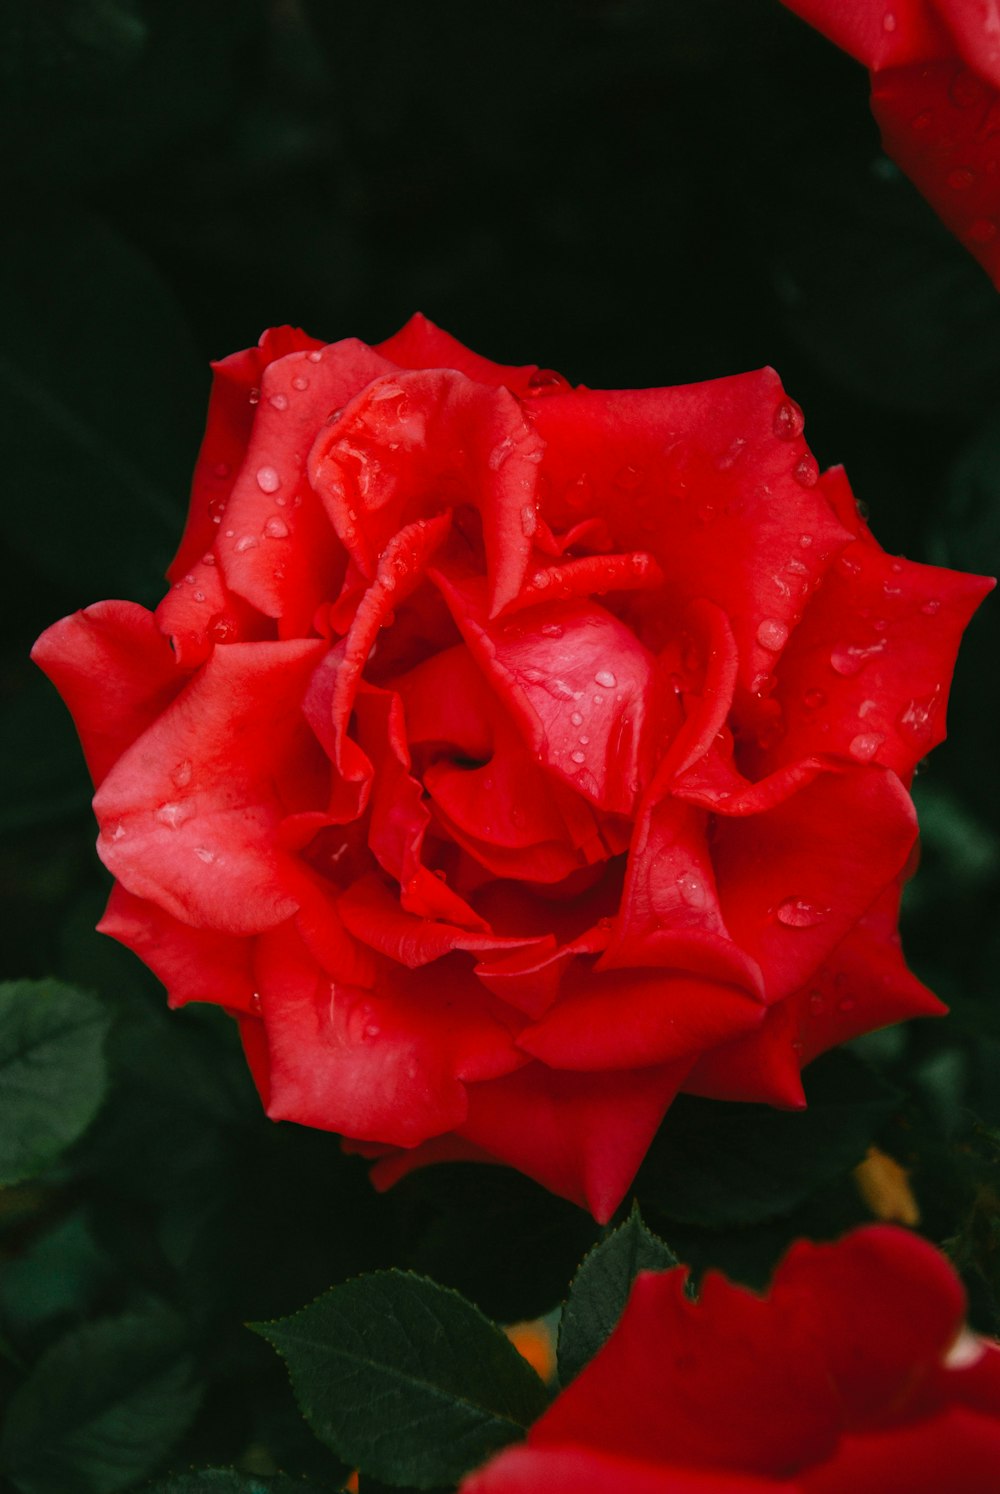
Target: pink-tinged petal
[721, 1383]
[714, 480]
[878, 35]
[622, 1019]
[794, 880]
[231, 410]
[414, 443]
[582, 1470]
[762, 1067]
[254, 1040]
[387, 1064]
[582, 689]
[193, 964]
[975, 28]
[189, 813]
[955, 1451]
[115, 672]
[867, 671]
[880, 1306]
[328, 940]
[420, 344]
[371, 913]
[863, 985]
[940, 125]
[275, 546]
[582, 1136]
[669, 914]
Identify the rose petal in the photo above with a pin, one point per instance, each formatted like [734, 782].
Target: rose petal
[193, 964]
[577, 1470]
[119, 645]
[957, 1450]
[874, 34]
[189, 811]
[420, 344]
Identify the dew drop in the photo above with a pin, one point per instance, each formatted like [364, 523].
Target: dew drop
[299, 382]
[692, 890]
[170, 814]
[772, 634]
[182, 773]
[254, 396]
[204, 854]
[315, 356]
[864, 746]
[279, 401]
[606, 678]
[888, 21]
[931, 607]
[576, 719]
[255, 1001]
[789, 421]
[244, 543]
[851, 658]
[529, 520]
[268, 480]
[796, 913]
[916, 716]
[578, 757]
[806, 471]
[552, 630]
[805, 540]
[276, 528]
[541, 579]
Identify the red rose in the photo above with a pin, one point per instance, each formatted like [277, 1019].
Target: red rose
[853, 1374]
[935, 70]
[507, 757]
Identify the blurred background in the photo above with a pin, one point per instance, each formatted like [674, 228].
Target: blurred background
[634, 192]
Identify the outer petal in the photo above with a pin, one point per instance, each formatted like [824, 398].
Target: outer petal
[115, 672]
[580, 1470]
[958, 1450]
[879, 35]
[579, 1135]
[715, 481]
[193, 964]
[387, 1065]
[866, 672]
[420, 344]
[975, 29]
[188, 815]
[940, 124]
[720, 1384]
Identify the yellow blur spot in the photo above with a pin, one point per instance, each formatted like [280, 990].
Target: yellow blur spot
[885, 1188]
[533, 1341]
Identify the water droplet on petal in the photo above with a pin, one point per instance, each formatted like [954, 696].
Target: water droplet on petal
[276, 528]
[578, 757]
[849, 659]
[254, 396]
[772, 634]
[246, 542]
[796, 913]
[182, 773]
[204, 854]
[299, 382]
[255, 1001]
[805, 540]
[888, 21]
[806, 471]
[268, 480]
[279, 401]
[170, 814]
[529, 520]
[315, 356]
[931, 606]
[864, 746]
[692, 890]
[606, 678]
[789, 420]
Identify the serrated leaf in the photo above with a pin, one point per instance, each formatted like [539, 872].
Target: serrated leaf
[102, 1407]
[720, 1164]
[600, 1290]
[52, 1072]
[406, 1379]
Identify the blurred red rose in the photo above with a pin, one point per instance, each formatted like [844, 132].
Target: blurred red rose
[935, 71]
[507, 757]
[853, 1374]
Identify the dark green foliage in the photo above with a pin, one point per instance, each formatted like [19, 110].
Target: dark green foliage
[600, 1290]
[52, 1072]
[406, 1378]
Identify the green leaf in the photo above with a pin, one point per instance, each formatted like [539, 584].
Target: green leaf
[102, 1407]
[600, 1290]
[52, 1072]
[98, 372]
[406, 1379]
[720, 1164]
[230, 1481]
